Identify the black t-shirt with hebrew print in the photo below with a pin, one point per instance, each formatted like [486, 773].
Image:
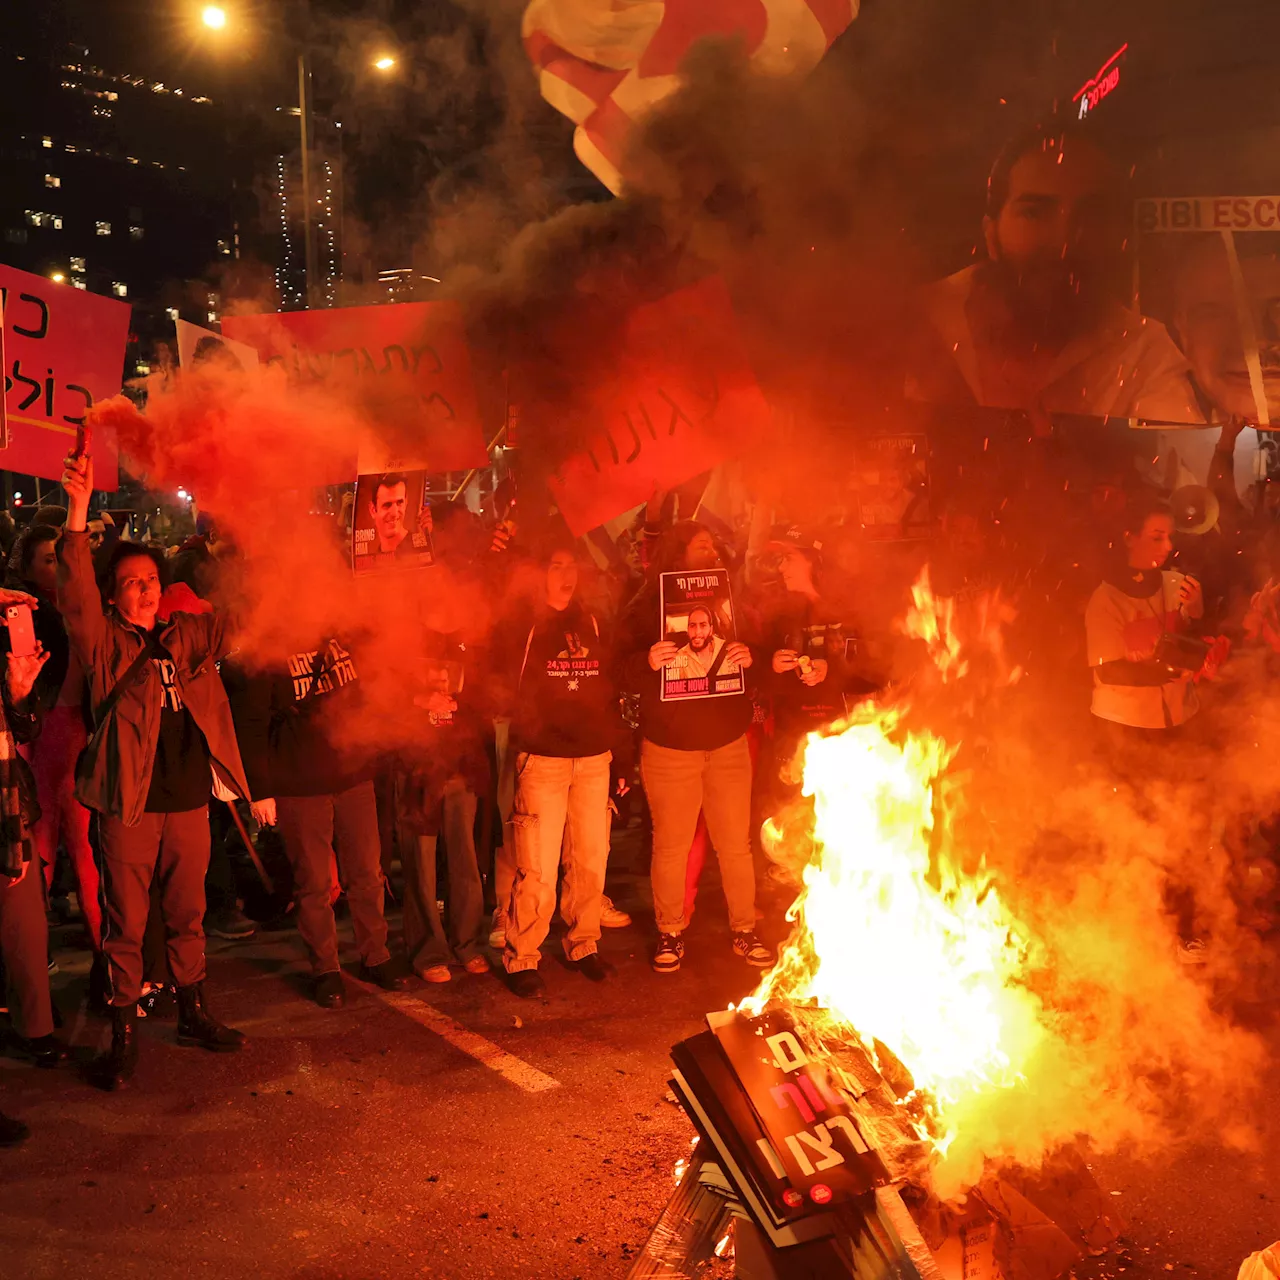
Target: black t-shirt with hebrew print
[181, 779]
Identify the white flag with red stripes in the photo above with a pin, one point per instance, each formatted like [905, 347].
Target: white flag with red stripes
[604, 63]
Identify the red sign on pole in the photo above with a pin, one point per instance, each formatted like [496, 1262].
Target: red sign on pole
[411, 357]
[684, 399]
[63, 351]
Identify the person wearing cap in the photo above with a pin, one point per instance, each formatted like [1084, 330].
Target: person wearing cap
[571, 755]
[694, 759]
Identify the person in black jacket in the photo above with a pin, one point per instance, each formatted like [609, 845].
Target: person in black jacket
[568, 736]
[288, 719]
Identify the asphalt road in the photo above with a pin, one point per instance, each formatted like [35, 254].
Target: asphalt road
[453, 1132]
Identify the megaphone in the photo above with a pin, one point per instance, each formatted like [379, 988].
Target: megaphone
[1195, 508]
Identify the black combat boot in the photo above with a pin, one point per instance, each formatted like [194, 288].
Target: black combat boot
[114, 1069]
[195, 1026]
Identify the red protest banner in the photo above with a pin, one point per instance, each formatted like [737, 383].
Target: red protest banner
[410, 358]
[63, 351]
[684, 398]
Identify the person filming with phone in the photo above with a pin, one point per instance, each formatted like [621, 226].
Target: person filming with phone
[1136, 624]
[161, 730]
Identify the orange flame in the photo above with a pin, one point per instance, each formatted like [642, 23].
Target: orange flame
[893, 941]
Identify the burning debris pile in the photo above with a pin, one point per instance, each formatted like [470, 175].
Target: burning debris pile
[888, 1102]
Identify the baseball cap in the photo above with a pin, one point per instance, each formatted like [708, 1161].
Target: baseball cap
[794, 535]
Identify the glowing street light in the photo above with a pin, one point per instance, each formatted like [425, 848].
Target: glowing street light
[214, 17]
[57, 277]
[384, 63]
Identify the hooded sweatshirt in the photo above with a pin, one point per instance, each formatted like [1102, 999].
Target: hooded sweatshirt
[289, 721]
[560, 662]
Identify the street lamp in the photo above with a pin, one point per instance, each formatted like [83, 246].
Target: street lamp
[214, 17]
[384, 63]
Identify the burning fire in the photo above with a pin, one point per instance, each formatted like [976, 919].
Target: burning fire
[897, 946]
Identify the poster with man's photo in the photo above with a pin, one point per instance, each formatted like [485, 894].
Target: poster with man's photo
[697, 616]
[391, 526]
[889, 487]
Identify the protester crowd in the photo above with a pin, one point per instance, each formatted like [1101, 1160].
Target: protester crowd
[144, 760]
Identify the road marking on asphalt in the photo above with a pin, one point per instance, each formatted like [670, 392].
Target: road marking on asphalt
[507, 1065]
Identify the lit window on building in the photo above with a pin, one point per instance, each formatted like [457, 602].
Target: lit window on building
[77, 264]
[224, 247]
[102, 228]
[212, 317]
[78, 284]
[69, 149]
[56, 222]
[103, 112]
[119, 288]
[47, 143]
[136, 233]
[37, 218]
[171, 312]
[52, 180]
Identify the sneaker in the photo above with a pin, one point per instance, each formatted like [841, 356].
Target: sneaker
[1193, 951]
[594, 967]
[230, 923]
[498, 930]
[435, 973]
[752, 950]
[526, 983]
[158, 1000]
[477, 964]
[612, 917]
[668, 953]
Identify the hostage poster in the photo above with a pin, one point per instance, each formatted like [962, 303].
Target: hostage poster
[391, 526]
[697, 616]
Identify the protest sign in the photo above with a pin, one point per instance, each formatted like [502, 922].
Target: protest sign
[889, 487]
[408, 364]
[683, 398]
[391, 525]
[63, 351]
[1209, 269]
[197, 345]
[697, 615]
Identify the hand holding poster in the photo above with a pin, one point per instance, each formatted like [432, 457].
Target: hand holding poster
[391, 528]
[697, 616]
[63, 351]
